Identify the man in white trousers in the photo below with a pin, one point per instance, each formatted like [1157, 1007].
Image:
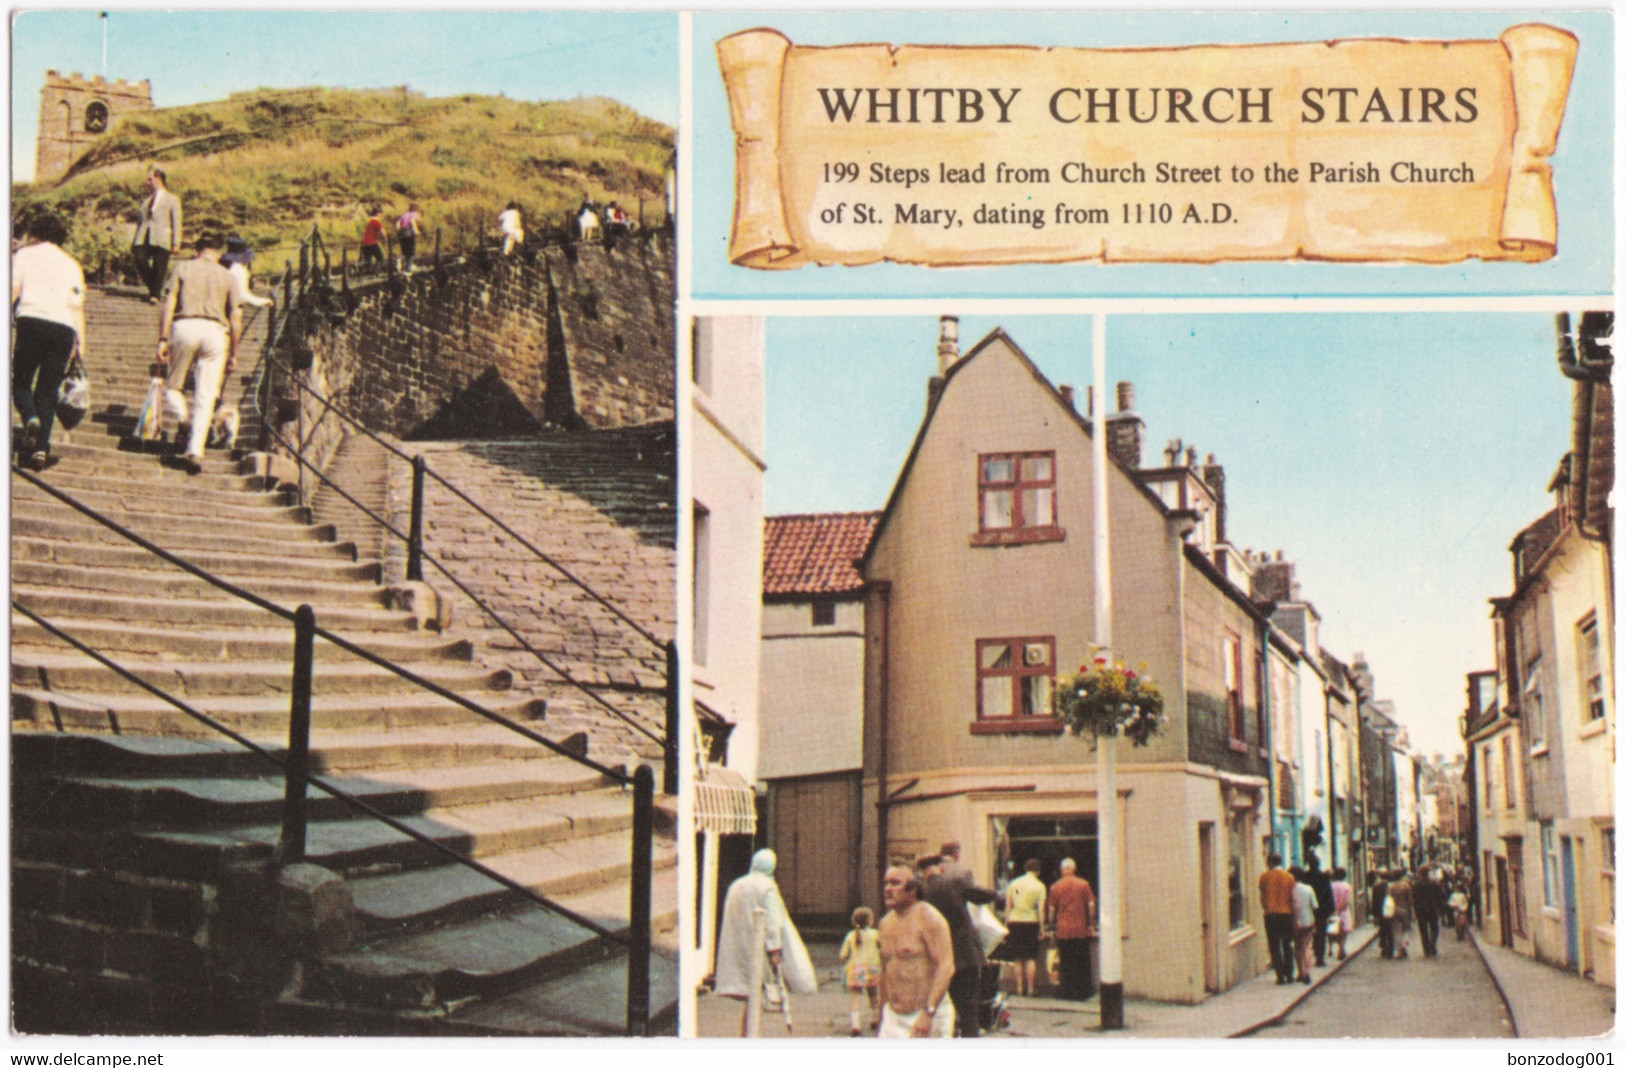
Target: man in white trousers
[199, 326]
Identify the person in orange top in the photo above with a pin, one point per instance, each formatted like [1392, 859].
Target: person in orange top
[1071, 914]
[1275, 886]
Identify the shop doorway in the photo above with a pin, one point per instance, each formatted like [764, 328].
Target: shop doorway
[1048, 840]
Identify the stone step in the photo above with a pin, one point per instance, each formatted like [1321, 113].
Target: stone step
[346, 846]
[186, 613]
[183, 539]
[106, 470]
[590, 1001]
[183, 497]
[153, 524]
[450, 892]
[199, 803]
[487, 957]
[126, 499]
[135, 561]
[262, 717]
[153, 583]
[199, 682]
[99, 755]
[96, 440]
[272, 641]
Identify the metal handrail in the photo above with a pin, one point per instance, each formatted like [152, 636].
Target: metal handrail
[636, 939]
[322, 784]
[563, 674]
[349, 420]
[314, 261]
[288, 615]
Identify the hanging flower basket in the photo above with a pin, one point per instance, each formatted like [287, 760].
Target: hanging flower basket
[1106, 698]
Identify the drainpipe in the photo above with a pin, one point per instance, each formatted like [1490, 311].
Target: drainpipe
[1331, 782]
[1264, 629]
[883, 700]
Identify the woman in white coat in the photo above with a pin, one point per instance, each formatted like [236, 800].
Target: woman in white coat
[781, 943]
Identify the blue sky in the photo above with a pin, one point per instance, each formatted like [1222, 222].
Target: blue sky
[1392, 456]
[193, 56]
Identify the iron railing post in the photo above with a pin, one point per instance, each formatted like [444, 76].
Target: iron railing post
[668, 778]
[268, 401]
[299, 453]
[414, 540]
[292, 847]
[637, 962]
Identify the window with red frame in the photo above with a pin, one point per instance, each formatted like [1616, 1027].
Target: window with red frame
[1016, 497]
[1015, 683]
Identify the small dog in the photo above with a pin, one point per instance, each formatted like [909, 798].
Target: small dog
[223, 431]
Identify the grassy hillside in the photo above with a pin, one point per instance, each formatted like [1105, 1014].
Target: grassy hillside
[267, 164]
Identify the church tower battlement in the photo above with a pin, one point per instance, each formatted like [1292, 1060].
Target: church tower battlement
[75, 111]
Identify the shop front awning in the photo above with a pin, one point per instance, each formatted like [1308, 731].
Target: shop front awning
[724, 802]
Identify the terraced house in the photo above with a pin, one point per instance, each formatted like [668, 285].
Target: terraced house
[345, 734]
[1547, 825]
[979, 595]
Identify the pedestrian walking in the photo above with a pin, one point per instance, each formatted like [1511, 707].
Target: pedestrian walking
[158, 236]
[782, 945]
[48, 306]
[1429, 902]
[1377, 887]
[239, 260]
[1071, 915]
[1321, 883]
[199, 326]
[860, 955]
[1275, 888]
[1343, 910]
[372, 239]
[1303, 920]
[951, 897]
[407, 229]
[916, 962]
[1458, 910]
[512, 226]
[1400, 893]
[1024, 914]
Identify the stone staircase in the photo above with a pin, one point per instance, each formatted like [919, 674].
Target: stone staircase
[145, 893]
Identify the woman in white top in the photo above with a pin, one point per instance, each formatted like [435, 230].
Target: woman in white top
[238, 259]
[48, 305]
[512, 227]
[1303, 920]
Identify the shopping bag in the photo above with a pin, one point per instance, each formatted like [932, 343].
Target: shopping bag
[988, 927]
[73, 395]
[149, 423]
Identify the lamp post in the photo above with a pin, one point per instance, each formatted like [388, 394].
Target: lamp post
[1110, 817]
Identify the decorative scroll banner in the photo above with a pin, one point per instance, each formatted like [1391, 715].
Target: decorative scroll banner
[1360, 150]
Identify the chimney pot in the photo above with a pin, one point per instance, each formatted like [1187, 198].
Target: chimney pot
[1125, 396]
[1068, 396]
[947, 343]
[1190, 456]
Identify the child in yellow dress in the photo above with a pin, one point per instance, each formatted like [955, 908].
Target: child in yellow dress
[861, 954]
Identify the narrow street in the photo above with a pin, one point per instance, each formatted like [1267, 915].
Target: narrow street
[1449, 996]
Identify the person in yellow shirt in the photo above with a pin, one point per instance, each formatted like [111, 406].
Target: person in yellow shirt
[1023, 914]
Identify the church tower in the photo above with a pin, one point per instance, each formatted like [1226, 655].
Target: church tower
[75, 111]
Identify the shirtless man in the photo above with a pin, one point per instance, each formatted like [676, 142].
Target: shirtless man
[916, 963]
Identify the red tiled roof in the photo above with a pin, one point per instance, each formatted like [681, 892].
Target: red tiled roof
[813, 554]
